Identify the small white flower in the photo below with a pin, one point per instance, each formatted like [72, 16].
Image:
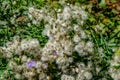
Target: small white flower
[83, 34]
[76, 38]
[12, 64]
[18, 76]
[42, 76]
[87, 75]
[43, 58]
[67, 77]
[31, 9]
[38, 64]
[29, 74]
[60, 60]
[24, 58]
[76, 28]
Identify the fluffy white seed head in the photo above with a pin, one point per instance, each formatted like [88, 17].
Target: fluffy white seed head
[67, 77]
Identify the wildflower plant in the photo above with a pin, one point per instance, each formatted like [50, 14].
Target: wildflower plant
[55, 40]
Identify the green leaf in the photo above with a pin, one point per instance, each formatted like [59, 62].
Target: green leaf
[102, 4]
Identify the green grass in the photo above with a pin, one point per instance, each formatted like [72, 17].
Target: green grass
[104, 38]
